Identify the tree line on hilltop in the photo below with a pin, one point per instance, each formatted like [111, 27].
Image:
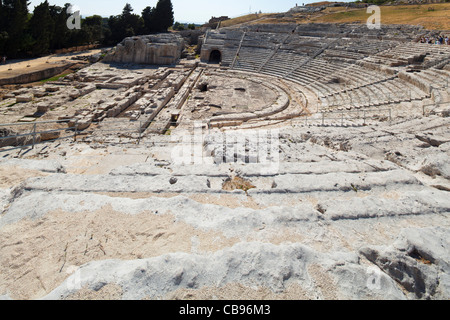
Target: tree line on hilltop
[26, 34]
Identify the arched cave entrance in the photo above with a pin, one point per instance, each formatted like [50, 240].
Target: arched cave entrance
[215, 56]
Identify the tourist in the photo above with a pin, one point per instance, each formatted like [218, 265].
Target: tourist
[4, 60]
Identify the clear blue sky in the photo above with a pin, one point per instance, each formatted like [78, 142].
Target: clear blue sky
[196, 11]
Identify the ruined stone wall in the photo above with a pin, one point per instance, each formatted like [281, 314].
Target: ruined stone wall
[160, 49]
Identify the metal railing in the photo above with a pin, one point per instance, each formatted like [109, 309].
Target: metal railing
[136, 130]
[34, 135]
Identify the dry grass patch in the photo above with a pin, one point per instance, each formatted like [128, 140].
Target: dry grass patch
[237, 183]
[430, 16]
[244, 19]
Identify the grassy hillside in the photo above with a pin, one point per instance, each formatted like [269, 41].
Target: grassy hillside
[244, 19]
[430, 16]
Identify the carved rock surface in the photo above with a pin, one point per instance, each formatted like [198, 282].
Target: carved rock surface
[160, 49]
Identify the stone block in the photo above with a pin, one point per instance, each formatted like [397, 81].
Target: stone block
[42, 107]
[24, 98]
[46, 136]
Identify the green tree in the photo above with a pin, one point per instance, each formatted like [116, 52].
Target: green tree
[163, 15]
[178, 26]
[159, 18]
[133, 23]
[3, 33]
[41, 28]
[15, 20]
[125, 25]
[148, 16]
[60, 38]
[2, 16]
[94, 27]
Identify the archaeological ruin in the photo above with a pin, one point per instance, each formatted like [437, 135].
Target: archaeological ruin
[278, 161]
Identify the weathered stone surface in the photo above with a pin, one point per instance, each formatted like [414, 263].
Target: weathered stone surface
[335, 204]
[42, 107]
[50, 135]
[418, 260]
[51, 88]
[277, 267]
[161, 49]
[437, 165]
[24, 98]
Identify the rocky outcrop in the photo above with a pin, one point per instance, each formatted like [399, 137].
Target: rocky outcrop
[160, 49]
[418, 261]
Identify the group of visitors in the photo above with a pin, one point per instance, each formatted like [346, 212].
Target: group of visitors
[441, 40]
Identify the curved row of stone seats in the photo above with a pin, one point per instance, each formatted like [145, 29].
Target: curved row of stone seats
[426, 80]
[334, 52]
[373, 95]
[290, 53]
[228, 54]
[402, 88]
[282, 62]
[262, 39]
[355, 98]
[366, 47]
[316, 70]
[407, 53]
[345, 72]
[436, 78]
[388, 61]
[251, 59]
[432, 49]
[363, 76]
[400, 33]
[226, 34]
[354, 76]
[304, 44]
[367, 88]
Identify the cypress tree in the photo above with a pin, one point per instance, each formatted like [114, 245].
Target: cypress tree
[159, 18]
[163, 15]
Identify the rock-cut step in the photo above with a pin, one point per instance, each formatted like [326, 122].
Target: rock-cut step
[250, 264]
[284, 183]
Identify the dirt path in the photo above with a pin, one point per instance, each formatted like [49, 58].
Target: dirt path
[19, 67]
